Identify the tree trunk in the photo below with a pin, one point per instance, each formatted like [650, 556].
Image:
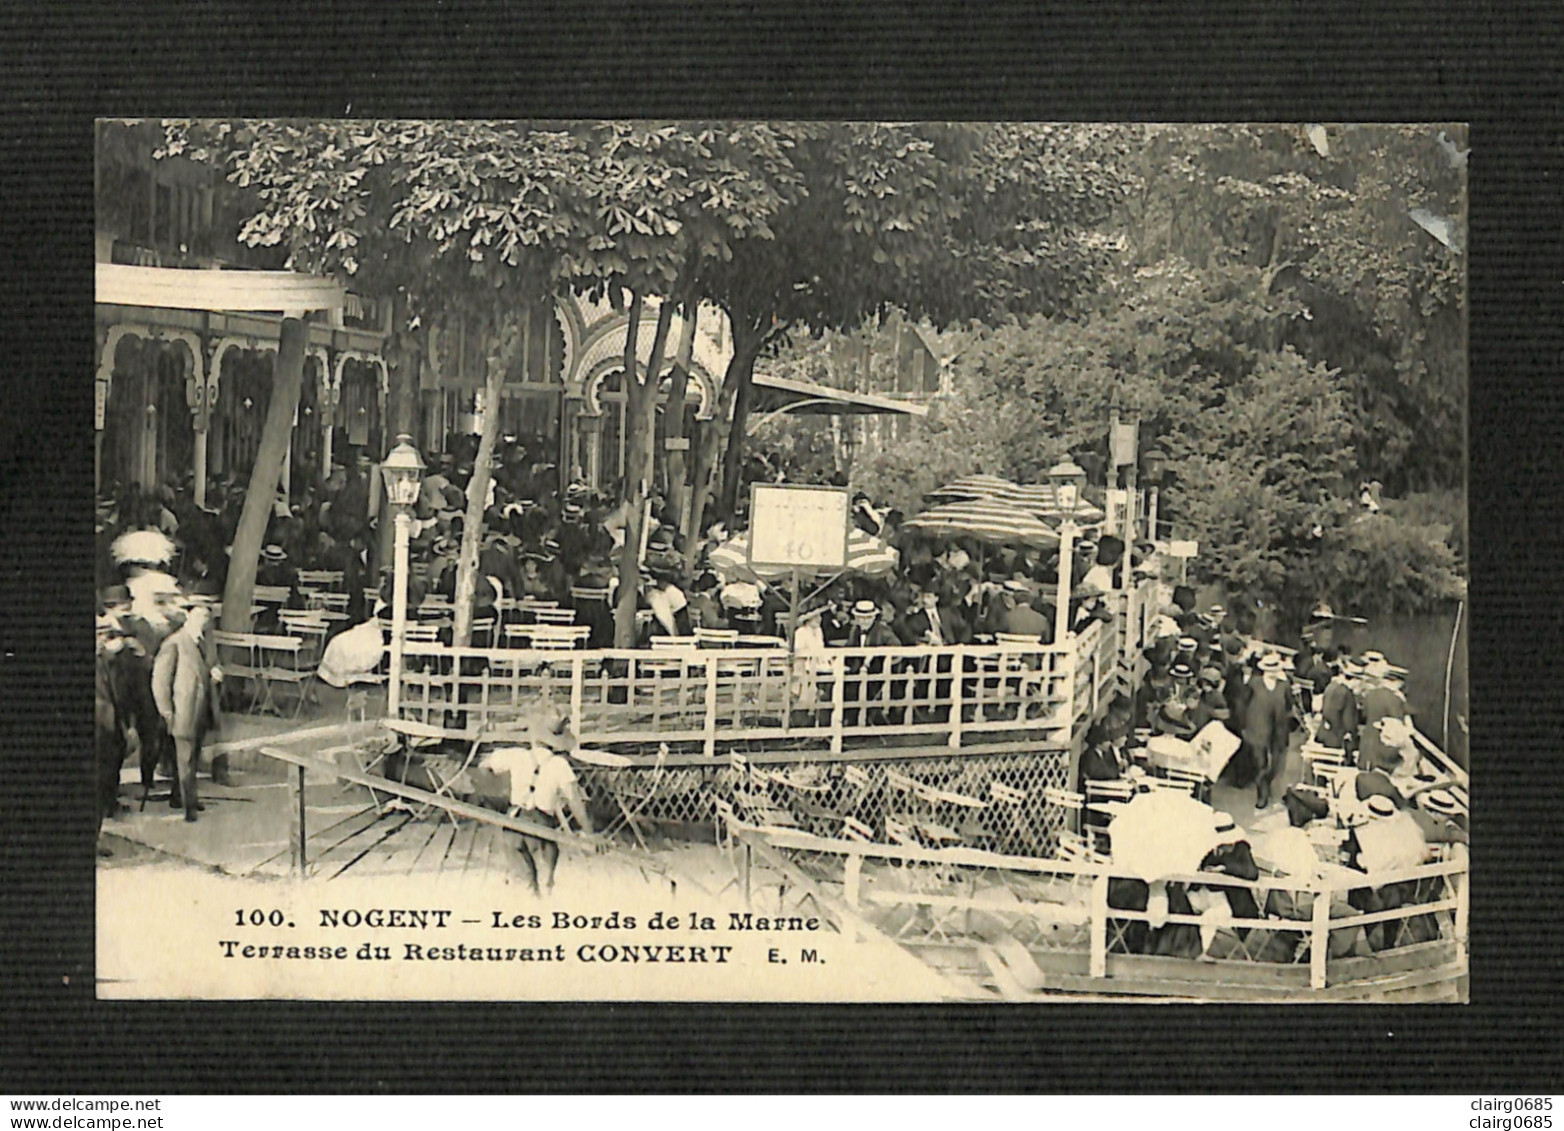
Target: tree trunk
[746, 348]
[287, 377]
[705, 446]
[503, 351]
[640, 427]
[673, 415]
[702, 476]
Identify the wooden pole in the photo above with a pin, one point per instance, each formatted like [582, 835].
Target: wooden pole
[1319, 939]
[265, 476]
[1062, 599]
[792, 612]
[1126, 606]
[1099, 927]
[297, 828]
[403, 522]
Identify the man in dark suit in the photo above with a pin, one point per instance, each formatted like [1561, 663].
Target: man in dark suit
[1338, 712]
[867, 631]
[936, 624]
[1266, 723]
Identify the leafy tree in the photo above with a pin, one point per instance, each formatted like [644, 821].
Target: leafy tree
[489, 218]
[947, 221]
[1359, 231]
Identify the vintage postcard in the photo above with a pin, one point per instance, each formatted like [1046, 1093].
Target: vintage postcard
[805, 561]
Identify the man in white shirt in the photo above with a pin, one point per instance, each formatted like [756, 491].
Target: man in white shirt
[543, 787]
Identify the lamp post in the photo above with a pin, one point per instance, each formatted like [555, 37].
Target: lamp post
[1067, 479]
[1155, 462]
[403, 468]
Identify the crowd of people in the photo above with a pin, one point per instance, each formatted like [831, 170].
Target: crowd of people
[540, 542]
[549, 544]
[1202, 669]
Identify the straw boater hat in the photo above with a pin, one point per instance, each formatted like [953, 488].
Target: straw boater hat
[1187, 644]
[1322, 612]
[1181, 670]
[1441, 802]
[1225, 830]
[274, 553]
[1015, 585]
[1271, 662]
[865, 609]
[1380, 806]
[1376, 666]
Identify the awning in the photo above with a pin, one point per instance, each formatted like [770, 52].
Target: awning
[184, 289]
[798, 397]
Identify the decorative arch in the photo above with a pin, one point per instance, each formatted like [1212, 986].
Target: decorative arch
[324, 385]
[604, 351]
[701, 384]
[345, 356]
[220, 350]
[574, 329]
[200, 390]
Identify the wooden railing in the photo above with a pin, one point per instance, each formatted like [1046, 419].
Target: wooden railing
[1064, 909]
[956, 695]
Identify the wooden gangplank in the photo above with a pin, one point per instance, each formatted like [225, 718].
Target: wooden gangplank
[302, 764]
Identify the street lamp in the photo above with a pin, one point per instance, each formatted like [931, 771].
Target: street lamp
[1156, 465]
[1067, 479]
[403, 468]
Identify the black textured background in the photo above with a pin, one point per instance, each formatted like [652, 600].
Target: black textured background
[1494, 65]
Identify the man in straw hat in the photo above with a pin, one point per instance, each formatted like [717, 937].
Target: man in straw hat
[1382, 700]
[184, 687]
[543, 788]
[1266, 714]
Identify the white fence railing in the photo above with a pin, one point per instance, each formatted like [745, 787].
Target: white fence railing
[958, 695]
[958, 897]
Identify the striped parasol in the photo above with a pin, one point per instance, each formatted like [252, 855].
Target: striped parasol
[972, 487]
[987, 519]
[865, 554]
[1042, 500]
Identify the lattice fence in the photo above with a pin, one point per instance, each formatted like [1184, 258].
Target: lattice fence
[819, 795]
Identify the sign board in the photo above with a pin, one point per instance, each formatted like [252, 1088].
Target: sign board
[677, 444]
[1122, 440]
[100, 403]
[1182, 549]
[803, 528]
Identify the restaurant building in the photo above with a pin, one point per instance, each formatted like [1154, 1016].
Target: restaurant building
[183, 385]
